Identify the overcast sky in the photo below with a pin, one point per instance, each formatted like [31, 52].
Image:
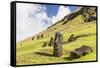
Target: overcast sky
[34, 18]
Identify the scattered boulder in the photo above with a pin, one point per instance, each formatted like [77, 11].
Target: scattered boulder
[44, 44]
[51, 43]
[57, 49]
[84, 49]
[78, 52]
[75, 54]
[69, 17]
[71, 38]
[91, 10]
[86, 12]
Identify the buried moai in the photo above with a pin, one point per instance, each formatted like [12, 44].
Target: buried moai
[20, 44]
[82, 51]
[71, 38]
[32, 38]
[38, 37]
[42, 36]
[51, 43]
[57, 49]
[44, 44]
[91, 18]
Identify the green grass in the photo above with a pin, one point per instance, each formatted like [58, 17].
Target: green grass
[32, 52]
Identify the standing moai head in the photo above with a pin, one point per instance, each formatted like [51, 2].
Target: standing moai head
[58, 37]
[57, 49]
[51, 43]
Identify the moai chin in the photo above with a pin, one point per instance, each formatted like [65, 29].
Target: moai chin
[57, 49]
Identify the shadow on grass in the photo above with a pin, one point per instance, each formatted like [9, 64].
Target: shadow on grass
[79, 36]
[69, 58]
[64, 42]
[43, 54]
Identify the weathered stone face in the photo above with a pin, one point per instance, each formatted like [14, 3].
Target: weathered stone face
[69, 17]
[57, 49]
[91, 10]
[89, 13]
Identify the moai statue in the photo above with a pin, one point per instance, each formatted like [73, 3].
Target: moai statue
[51, 43]
[42, 36]
[71, 38]
[38, 37]
[57, 49]
[45, 44]
[32, 38]
[20, 44]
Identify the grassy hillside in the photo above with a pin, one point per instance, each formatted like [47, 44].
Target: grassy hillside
[31, 51]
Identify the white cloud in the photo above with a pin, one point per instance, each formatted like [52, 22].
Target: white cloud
[33, 18]
[63, 11]
[30, 20]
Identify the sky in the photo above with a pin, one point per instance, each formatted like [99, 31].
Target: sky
[34, 18]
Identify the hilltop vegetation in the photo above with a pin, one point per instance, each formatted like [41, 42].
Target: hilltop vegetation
[81, 22]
